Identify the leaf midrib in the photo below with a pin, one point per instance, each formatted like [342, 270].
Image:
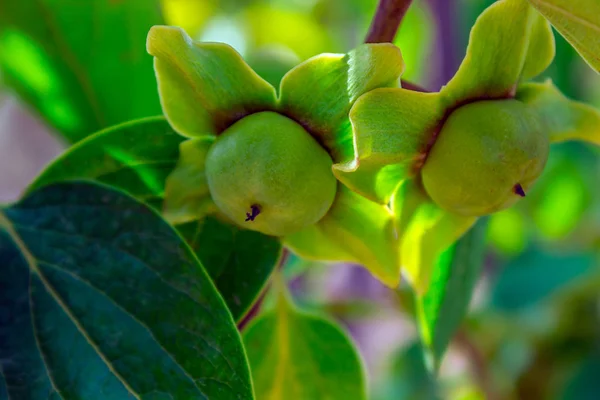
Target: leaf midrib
[7, 225]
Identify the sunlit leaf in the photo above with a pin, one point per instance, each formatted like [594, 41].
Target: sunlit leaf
[565, 119]
[136, 157]
[320, 92]
[578, 21]
[392, 131]
[187, 197]
[103, 300]
[83, 66]
[353, 230]
[426, 232]
[204, 87]
[442, 308]
[296, 355]
[496, 54]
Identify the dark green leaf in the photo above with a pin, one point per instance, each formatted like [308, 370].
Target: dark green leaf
[409, 378]
[536, 276]
[296, 355]
[101, 299]
[136, 157]
[584, 383]
[443, 307]
[239, 261]
[83, 65]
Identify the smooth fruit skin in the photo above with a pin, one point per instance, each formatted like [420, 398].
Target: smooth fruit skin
[268, 174]
[482, 152]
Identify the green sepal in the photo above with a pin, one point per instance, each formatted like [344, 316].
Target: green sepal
[204, 87]
[541, 51]
[578, 21]
[426, 231]
[496, 54]
[565, 119]
[393, 129]
[354, 230]
[187, 197]
[320, 92]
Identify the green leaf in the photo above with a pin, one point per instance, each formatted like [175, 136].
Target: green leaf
[537, 276]
[578, 21]
[239, 261]
[297, 355]
[410, 378]
[496, 54]
[541, 49]
[103, 300]
[204, 87]
[565, 119]
[319, 92]
[82, 67]
[187, 197]
[393, 129]
[426, 232]
[136, 157]
[354, 230]
[442, 308]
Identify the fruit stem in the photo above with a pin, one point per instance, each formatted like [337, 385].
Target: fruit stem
[254, 211]
[386, 21]
[518, 189]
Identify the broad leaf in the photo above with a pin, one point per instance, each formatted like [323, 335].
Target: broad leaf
[103, 300]
[319, 92]
[578, 21]
[498, 48]
[239, 261]
[565, 119]
[82, 66]
[296, 355]
[426, 232]
[354, 230]
[537, 276]
[442, 308]
[204, 87]
[393, 130]
[137, 157]
[187, 196]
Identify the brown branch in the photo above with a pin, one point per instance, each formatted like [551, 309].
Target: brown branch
[387, 20]
[253, 312]
[385, 25]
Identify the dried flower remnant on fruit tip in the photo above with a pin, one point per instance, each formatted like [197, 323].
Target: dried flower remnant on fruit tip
[518, 189]
[254, 211]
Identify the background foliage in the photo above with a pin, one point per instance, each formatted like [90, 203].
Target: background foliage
[534, 327]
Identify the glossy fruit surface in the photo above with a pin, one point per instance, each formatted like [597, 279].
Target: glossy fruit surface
[267, 173]
[487, 155]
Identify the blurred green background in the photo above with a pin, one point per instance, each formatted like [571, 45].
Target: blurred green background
[71, 67]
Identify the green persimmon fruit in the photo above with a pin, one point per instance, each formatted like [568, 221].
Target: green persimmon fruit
[268, 174]
[486, 156]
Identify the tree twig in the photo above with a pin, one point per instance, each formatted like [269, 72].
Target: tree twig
[387, 20]
[385, 25]
[258, 303]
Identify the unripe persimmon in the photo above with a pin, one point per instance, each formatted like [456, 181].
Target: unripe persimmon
[268, 174]
[487, 155]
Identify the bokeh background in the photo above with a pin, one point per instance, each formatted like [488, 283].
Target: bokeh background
[71, 67]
